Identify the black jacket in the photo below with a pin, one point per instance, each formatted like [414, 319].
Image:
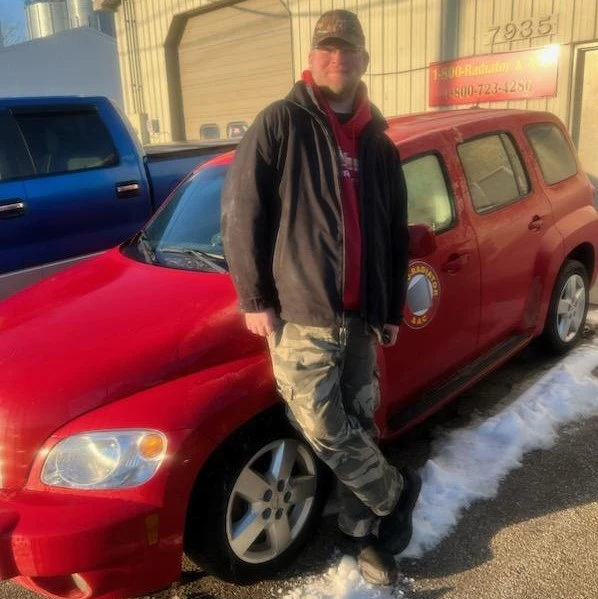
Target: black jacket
[282, 220]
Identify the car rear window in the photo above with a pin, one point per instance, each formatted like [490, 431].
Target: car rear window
[552, 151]
[494, 171]
[429, 200]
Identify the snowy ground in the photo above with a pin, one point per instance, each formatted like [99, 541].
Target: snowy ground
[469, 464]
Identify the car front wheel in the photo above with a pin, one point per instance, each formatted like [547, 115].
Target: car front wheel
[568, 308]
[257, 503]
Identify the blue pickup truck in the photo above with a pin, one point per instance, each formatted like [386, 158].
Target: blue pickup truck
[75, 181]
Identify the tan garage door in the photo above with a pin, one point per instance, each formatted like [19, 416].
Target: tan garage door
[233, 61]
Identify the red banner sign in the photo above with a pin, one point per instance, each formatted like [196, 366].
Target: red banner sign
[518, 75]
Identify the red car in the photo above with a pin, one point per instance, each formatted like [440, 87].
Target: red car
[140, 419]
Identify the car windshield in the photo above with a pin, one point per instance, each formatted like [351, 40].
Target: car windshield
[185, 233]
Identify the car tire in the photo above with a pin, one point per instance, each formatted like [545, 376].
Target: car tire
[568, 308]
[256, 503]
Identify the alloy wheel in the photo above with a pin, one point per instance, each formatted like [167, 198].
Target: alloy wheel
[271, 501]
[571, 308]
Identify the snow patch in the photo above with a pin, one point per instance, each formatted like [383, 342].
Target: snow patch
[469, 464]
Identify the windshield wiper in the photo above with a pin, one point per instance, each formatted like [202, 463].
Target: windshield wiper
[205, 258]
[146, 247]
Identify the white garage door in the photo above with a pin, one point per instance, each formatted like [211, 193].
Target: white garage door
[233, 61]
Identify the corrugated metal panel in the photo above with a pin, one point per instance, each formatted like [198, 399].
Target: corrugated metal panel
[432, 50]
[468, 25]
[373, 23]
[391, 35]
[419, 35]
[564, 9]
[584, 20]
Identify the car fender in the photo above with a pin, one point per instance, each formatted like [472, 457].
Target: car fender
[578, 228]
[197, 413]
[546, 268]
[573, 236]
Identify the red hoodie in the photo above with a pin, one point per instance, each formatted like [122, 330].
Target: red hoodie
[347, 138]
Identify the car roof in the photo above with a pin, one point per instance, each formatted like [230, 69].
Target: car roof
[51, 100]
[404, 128]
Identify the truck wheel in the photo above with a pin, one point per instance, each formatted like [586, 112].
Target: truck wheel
[256, 504]
[568, 308]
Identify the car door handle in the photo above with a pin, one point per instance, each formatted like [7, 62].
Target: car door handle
[128, 189]
[455, 262]
[12, 208]
[536, 223]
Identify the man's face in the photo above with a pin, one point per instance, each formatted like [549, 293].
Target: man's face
[337, 68]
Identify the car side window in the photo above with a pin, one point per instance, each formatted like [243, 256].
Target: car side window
[428, 198]
[67, 141]
[14, 160]
[554, 155]
[494, 171]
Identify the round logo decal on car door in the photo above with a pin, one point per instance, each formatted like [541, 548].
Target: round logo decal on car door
[423, 295]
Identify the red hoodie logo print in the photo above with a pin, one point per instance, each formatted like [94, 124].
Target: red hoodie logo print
[349, 166]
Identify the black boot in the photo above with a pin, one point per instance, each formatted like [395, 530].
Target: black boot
[396, 529]
[376, 564]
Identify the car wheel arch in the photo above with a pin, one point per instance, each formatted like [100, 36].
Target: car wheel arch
[219, 471]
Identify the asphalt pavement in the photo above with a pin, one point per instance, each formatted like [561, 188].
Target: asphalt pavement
[538, 539]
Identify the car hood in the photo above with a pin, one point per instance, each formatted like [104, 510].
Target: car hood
[99, 332]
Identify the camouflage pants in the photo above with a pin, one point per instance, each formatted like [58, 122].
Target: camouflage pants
[327, 378]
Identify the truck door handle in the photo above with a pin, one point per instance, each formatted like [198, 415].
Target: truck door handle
[12, 208]
[536, 223]
[455, 262]
[128, 189]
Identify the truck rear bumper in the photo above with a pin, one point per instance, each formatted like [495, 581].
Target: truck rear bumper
[80, 547]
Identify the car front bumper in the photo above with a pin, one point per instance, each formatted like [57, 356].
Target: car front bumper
[65, 545]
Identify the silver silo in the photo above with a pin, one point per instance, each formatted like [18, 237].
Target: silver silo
[81, 14]
[45, 17]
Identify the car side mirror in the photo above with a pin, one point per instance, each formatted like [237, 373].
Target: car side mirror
[422, 241]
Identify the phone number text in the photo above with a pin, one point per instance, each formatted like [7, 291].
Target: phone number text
[488, 89]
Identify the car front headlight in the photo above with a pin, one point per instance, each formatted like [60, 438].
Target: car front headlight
[105, 459]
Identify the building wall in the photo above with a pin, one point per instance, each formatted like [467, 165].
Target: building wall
[403, 37]
[77, 62]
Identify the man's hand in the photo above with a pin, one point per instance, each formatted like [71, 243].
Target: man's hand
[390, 334]
[261, 323]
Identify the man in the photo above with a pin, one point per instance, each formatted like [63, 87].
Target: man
[314, 221]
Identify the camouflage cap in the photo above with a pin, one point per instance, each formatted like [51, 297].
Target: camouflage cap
[338, 24]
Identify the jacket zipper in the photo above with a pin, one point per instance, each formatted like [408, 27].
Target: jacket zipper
[364, 225]
[335, 152]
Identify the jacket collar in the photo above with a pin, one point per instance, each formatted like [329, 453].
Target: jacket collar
[303, 95]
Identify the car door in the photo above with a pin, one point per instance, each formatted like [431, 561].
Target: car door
[85, 196]
[510, 218]
[17, 248]
[442, 310]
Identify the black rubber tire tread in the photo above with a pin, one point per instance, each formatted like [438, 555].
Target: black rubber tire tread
[205, 536]
[550, 339]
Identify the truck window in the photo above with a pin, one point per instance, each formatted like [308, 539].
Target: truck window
[429, 200]
[209, 131]
[14, 160]
[554, 155]
[61, 142]
[494, 171]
